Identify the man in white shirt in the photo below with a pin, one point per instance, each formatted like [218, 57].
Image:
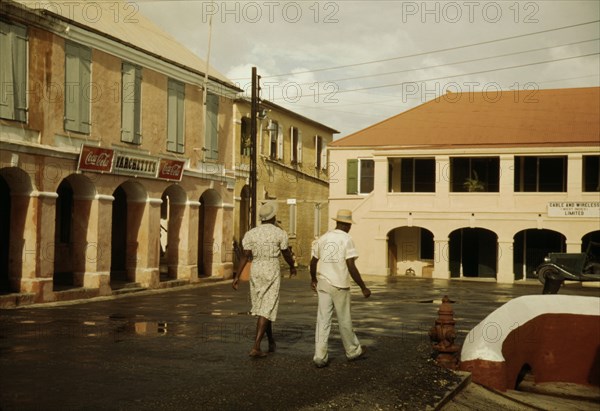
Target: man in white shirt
[333, 256]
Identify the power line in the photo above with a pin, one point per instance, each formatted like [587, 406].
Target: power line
[459, 75]
[429, 52]
[452, 63]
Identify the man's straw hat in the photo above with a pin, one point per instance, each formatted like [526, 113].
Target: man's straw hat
[344, 216]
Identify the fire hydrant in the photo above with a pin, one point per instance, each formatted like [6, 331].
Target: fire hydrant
[443, 334]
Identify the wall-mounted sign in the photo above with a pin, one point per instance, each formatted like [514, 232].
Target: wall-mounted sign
[96, 159]
[129, 164]
[574, 209]
[106, 160]
[170, 169]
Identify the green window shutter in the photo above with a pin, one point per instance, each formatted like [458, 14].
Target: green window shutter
[137, 111]
[175, 115]
[72, 94]
[13, 72]
[85, 67]
[180, 117]
[212, 126]
[78, 62]
[20, 72]
[7, 98]
[128, 103]
[172, 117]
[352, 176]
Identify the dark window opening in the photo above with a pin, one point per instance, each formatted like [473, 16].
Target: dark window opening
[411, 175]
[245, 137]
[367, 176]
[540, 174]
[591, 173]
[475, 174]
[427, 245]
[64, 209]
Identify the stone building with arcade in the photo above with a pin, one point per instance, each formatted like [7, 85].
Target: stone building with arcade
[114, 173]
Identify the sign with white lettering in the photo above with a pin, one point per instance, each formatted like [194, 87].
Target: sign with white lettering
[574, 209]
[170, 169]
[96, 159]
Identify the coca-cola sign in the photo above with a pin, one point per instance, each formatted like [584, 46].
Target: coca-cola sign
[96, 159]
[170, 169]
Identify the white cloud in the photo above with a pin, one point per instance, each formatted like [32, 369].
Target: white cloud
[347, 33]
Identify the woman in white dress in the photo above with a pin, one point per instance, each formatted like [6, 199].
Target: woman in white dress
[263, 245]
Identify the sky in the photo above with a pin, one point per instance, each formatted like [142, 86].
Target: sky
[351, 64]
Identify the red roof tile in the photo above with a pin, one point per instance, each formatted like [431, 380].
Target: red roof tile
[556, 117]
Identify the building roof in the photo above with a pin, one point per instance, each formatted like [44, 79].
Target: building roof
[122, 22]
[508, 118]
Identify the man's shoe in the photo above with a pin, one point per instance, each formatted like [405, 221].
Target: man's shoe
[322, 364]
[360, 356]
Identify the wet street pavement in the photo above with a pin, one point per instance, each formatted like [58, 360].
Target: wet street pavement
[187, 348]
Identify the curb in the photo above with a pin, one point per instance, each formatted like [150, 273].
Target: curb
[136, 292]
[466, 380]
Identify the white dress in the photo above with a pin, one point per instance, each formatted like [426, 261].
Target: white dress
[266, 243]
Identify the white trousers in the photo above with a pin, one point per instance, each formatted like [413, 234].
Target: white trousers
[331, 298]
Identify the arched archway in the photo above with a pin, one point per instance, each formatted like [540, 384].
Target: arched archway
[210, 204]
[410, 249]
[15, 196]
[128, 208]
[530, 248]
[172, 210]
[473, 252]
[591, 237]
[73, 206]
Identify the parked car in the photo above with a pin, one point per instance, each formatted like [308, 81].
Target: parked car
[558, 267]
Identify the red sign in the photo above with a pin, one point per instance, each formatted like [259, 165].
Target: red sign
[96, 159]
[170, 169]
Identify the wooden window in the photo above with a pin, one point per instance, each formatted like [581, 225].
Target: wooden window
[131, 104]
[211, 140]
[78, 63]
[175, 116]
[13, 72]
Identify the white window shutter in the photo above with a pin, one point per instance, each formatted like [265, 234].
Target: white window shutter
[324, 158]
[279, 142]
[299, 147]
[291, 144]
[316, 140]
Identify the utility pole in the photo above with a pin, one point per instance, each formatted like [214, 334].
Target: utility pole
[254, 105]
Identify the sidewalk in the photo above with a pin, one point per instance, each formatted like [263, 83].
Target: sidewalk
[186, 349]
